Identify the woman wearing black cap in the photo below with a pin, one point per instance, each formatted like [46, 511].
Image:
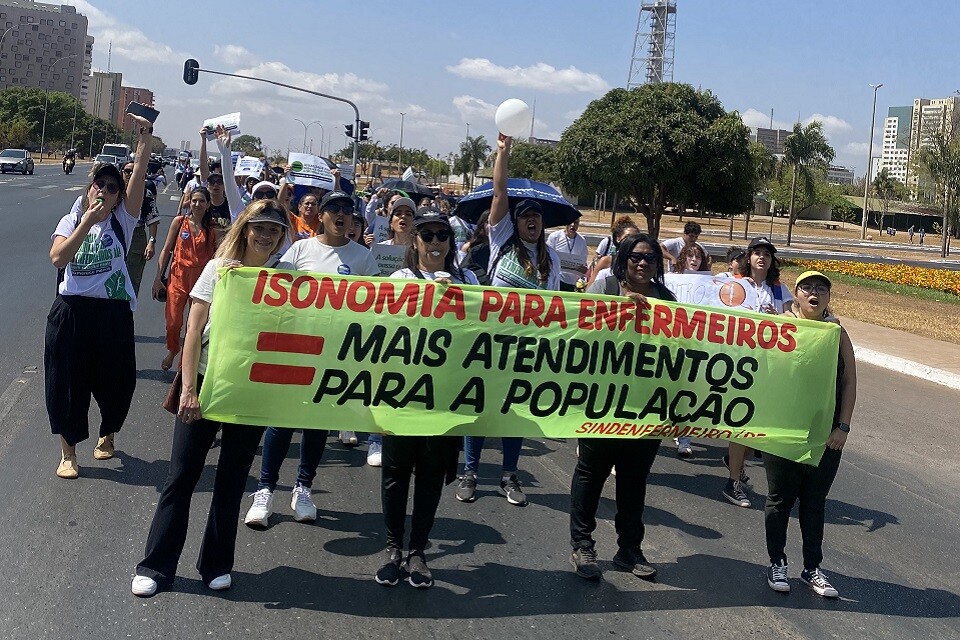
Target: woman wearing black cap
[519, 259]
[637, 272]
[790, 481]
[433, 459]
[761, 268]
[251, 242]
[328, 252]
[89, 347]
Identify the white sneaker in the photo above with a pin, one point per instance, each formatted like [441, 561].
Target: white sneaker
[349, 438]
[221, 583]
[684, 450]
[259, 513]
[143, 586]
[375, 454]
[303, 508]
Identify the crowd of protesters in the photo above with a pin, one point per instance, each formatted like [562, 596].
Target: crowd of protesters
[225, 221]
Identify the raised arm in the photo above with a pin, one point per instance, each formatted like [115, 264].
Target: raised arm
[500, 205]
[135, 188]
[226, 165]
[204, 158]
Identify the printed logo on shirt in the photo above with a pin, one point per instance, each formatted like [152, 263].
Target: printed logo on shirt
[344, 269]
[184, 235]
[95, 256]
[512, 272]
[106, 241]
[303, 235]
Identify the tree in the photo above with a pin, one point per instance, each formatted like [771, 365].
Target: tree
[14, 133]
[809, 153]
[658, 144]
[887, 188]
[938, 162]
[248, 145]
[533, 161]
[473, 153]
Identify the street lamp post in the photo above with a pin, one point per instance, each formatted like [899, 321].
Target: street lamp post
[866, 182]
[46, 97]
[305, 127]
[400, 153]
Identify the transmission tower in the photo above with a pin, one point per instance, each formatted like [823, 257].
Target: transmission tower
[653, 44]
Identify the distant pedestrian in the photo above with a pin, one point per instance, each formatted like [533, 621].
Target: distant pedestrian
[672, 248]
[910, 231]
[922, 233]
[789, 481]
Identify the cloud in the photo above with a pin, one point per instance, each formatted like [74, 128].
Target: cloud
[857, 148]
[127, 41]
[832, 125]
[540, 76]
[759, 120]
[474, 109]
[347, 85]
[234, 55]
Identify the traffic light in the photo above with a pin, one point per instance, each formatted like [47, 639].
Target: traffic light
[362, 134]
[349, 129]
[190, 73]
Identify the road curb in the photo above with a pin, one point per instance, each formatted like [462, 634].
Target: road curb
[908, 367]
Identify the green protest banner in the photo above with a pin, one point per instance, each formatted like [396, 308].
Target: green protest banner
[413, 357]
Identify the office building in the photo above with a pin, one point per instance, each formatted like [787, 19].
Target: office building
[43, 45]
[128, 95]
[839, 175]
[895, 152]
[103, 96]
[772, 139]
[929, 120]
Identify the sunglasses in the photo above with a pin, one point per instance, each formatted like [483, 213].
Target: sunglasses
[212, 180]
[110, 187]
[127, 172]
[428, 236]
[264, 194]
[338, 208]
[820, 289]
[649, 258]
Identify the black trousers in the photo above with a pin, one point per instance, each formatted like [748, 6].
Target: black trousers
[168, 531]
[633, 459]
[788, 482]
[88, 351]
[433, 459]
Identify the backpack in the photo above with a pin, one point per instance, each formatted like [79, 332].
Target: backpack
[117, 231]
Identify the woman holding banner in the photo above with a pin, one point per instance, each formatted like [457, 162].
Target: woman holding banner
[637, 273]
[333, 253]
[761, 268]
[790, 481]
[251, 242]
[433, 459]
[520, 259]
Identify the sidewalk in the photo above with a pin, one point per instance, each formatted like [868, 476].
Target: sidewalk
[916, 356]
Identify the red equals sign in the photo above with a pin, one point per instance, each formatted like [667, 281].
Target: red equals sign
[285, 373]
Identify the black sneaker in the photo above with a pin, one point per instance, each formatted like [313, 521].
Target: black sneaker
[635, 562]
[418, 573]
[510, 487]
[735, 494]
[819, 583]
[744, 478]
[777, 577]
[584, 560]
[389, 573]
[467, 491]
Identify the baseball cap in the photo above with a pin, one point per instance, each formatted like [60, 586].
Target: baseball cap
[806, 275]
[335, 196]
[271, 214]
[761, 241]
[265, 184]
[107, 169]
[526, 205]
[403, 202]
[426, 215]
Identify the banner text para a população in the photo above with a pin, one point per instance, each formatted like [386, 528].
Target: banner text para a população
[413, 357]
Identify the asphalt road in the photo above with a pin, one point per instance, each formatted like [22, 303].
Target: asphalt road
[69, 548]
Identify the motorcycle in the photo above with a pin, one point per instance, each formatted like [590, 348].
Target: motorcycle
[68, 164]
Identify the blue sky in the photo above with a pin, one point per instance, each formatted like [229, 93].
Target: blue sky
[448, 63]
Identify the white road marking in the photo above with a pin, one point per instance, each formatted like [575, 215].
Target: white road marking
[48, 186]
[74, 189]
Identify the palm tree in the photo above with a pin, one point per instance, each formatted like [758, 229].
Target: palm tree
[807, 151]
[886, 187]
[473, 153]
[940, 162]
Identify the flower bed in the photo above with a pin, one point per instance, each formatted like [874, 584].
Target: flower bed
[936, 279]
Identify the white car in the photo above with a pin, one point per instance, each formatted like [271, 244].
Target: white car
[16, 160]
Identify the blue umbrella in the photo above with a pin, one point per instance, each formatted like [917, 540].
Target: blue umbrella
[556, 210]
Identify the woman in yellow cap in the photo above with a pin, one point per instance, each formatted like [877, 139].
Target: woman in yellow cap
[790, 481]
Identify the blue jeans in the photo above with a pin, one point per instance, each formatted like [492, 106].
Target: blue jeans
[375, 438]
[472, 445]
[275, 446]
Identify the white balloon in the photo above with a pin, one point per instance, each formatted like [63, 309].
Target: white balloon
[513, 117]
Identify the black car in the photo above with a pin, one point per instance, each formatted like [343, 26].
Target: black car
[16, 160]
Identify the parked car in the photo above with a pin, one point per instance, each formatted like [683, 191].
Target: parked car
[16, 160]
[105, 158]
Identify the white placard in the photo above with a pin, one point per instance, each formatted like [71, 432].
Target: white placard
[703, 288]
[408, 174]
[230, 122]
[248, 166]
[572, 263]
[389, 257]
[309, 170]
[381, 229]
[346, 171]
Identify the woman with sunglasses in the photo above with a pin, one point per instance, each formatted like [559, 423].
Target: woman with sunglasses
[788, 481]
[89, 347]
[191, 242]
[251, 242]
[433, 459]
[761, 268]
[637, 273]
[520, 259]
[330, 252]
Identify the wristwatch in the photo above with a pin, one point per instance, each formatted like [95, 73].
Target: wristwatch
[843, 426]
[152, 239]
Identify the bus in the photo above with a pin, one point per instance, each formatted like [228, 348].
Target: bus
[121, 151]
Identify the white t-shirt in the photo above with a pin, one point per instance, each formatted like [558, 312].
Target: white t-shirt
[203, 290]
[408, 274]
[768, 303]
[310, 254]
[577, 245]
[509, 273]
[99, 270]
[675, 245]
